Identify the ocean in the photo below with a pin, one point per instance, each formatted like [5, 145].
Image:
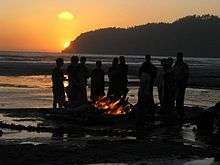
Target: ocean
[25, 80]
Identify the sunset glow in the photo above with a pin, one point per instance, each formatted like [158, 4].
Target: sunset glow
[45, 25]
[66, 44]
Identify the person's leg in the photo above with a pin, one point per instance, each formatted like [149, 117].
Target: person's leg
[159, 94]
[85, 94]
[140, 120]
[151, 103]
[82, 95]
[60, 104]
[125, 92]
[54, 99]
[54, 104]
[92, 95]
[152, 95]
[109, 90]
[180, 100]
[61, 101]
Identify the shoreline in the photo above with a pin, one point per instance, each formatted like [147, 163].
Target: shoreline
[199, 77]
[130, 84]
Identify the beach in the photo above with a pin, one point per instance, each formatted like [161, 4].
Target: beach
[27, 122]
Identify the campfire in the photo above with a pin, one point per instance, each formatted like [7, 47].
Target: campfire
[110, 107]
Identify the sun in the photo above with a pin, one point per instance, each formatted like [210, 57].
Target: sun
[65, 15]
[66, 44]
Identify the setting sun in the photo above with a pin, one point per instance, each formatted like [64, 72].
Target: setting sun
[66, 44]
[65, 15]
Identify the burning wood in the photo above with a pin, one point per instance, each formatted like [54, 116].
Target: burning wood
[110, 107]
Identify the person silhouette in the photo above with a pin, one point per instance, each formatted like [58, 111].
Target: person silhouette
[181, 71]
[123, 68]
[83, 73]
[73, 78]
[168, 89]
[114, 80]
[145, 105]
[160, 81]
[57, 84]
[147, 68]
[97, 82]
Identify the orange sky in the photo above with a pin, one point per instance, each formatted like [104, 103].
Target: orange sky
[45, 25]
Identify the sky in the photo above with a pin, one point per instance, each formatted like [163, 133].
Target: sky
[49, 25]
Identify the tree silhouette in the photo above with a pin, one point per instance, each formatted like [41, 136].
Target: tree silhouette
[196, 36]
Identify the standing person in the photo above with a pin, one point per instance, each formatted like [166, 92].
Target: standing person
[58, 87]
[73, 78]
[181, 71]
[148, 68]
[83, 76]
[160, 81]
[114, 80]
[123, 68]
[145, 105]
[97, 82]
[168, 90]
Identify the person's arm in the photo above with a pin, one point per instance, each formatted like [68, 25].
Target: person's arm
[53, 76]
[126, 69]
[62, 74]
[69, 74]
[92, 73]
[109, 72]
[186, 73]
[155, 72]
[87, 72]
[140, 70]
[103, 77]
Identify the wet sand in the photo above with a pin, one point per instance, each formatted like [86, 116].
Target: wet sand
[106, 143]
[102, 151]
[36, 92]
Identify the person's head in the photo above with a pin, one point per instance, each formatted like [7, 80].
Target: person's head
[122, 59]
[83, 60]
[59, 62]
[74, 60]
[115, 61]
[179, 57]
[170, 62]
[147, 58]
[98, 64]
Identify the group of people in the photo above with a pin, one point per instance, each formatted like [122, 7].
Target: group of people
[78, 74]
[171, 83]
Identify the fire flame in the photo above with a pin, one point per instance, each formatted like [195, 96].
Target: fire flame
[112, 107]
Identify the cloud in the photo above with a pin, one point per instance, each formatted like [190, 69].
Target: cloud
[66, 15]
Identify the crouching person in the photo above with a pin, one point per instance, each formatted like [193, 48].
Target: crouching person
[57, 84]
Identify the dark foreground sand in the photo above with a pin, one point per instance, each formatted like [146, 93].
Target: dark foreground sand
[101, 151]
[107, 143]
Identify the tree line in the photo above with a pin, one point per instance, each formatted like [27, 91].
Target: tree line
[196, 36]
